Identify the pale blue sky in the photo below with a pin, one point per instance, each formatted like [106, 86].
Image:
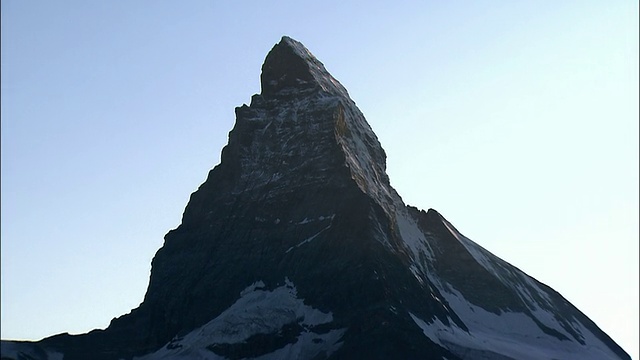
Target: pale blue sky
[517, 120]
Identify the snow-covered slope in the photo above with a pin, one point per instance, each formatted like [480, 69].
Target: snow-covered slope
[537, 324]
[262, 324]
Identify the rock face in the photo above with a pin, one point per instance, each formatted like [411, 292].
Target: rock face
[297, 247]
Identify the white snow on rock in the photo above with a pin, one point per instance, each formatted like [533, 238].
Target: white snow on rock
[506, 273]
[258, 311]
[511, 334]
[311, 238]
[413, 237]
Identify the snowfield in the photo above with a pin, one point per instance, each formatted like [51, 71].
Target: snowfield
[258, 312]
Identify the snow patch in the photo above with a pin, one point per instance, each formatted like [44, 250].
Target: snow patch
[309, 239]
[524, 286]
[306, 220]
[258, 285]
[258, 311]
[510, 334]
[414, 239]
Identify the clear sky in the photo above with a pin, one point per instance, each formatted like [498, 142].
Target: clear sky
[517, 120]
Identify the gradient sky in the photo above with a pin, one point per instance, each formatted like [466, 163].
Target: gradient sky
[517, 120]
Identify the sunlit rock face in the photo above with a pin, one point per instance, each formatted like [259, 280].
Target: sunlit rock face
[297, 247]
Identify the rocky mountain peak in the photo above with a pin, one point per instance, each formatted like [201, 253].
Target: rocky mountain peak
[290, 66]
[302, 130]
[297, 247]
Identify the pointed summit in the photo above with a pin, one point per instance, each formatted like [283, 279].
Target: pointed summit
[289, 65]
[304, 128]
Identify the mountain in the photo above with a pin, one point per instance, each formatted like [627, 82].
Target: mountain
[297, 247]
